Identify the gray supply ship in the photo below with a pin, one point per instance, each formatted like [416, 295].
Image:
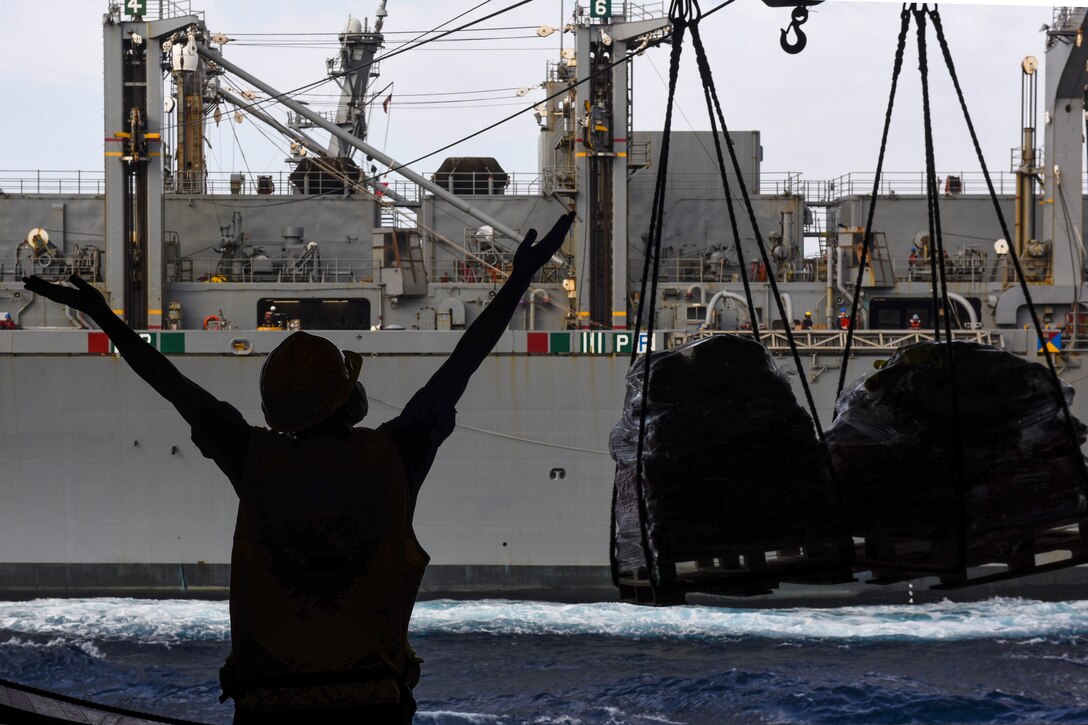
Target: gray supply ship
[104, 493]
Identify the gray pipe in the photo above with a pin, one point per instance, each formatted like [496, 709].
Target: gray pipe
[532, 306]
[21, 310]
[75, 320]
[846, 295]
[787, 304]
[731, 295]
[702, 292]
[830, 280]
[839, 273]
[971, 316]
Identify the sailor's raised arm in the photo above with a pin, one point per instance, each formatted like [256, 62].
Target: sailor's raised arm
[147, 362]
[450, 380]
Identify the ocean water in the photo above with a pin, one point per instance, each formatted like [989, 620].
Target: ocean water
[1002, 660]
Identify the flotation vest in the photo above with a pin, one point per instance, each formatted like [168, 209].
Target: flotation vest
[324, 574]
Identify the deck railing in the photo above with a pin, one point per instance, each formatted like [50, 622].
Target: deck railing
[39, 181]
[904, 183]
[864, 342]
[88, 266]
[711, 268]
[51, 181]
[158, 9]
[322, 270]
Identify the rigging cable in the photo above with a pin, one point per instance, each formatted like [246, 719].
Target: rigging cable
[1076, 244]
[604, 69]
[937, 258]
[683, 13]
[678, 15]
[714, 111]
[241, 149]
[402, 49]
[1059, 393]
[936, 240]
[867, 237]
[708, 92]
[454, 18]
[360, 187]
[419, 33]
[712, 93]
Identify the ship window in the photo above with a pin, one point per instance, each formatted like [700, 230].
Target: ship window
[894, 313]
[888, 319]
[318, 313]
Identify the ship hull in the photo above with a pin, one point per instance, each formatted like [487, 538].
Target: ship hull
[105, 493]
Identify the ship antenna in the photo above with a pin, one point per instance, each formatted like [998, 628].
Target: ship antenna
[379, 17]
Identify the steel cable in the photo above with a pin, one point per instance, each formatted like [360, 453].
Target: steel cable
[867, 237]
[1058, 392]
[678, 14]
[937, 256]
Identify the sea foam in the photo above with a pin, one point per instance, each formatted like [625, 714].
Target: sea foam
[171, 621]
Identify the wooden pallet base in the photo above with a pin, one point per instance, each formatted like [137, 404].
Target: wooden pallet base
[738, 573]
[895, 561]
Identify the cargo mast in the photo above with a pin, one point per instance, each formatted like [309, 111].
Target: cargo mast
[601, 143]
[134, 168]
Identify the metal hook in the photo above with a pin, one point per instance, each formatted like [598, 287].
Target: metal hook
[799, 15]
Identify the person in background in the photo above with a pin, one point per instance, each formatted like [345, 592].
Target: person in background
[915, 322]
[6, 323]
[806, 323]
[272, 318]
[844, 319]
[325, 566]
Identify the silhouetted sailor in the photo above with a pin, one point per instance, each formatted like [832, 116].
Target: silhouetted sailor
[325, 567]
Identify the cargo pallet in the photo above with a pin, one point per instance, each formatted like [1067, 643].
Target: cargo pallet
[741, 572]
[894, 559]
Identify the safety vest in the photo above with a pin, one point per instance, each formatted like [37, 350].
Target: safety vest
[324, 574]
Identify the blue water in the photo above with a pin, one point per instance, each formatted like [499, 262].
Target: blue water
[1003, 660]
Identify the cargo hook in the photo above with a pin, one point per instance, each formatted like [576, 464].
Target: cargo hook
[799, 16]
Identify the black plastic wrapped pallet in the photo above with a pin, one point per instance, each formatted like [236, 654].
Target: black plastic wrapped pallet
[730, 461]
[893, 447]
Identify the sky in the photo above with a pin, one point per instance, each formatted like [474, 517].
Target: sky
[820, 112]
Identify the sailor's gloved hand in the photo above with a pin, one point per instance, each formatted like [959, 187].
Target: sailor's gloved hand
[81, 296]
[532, 255]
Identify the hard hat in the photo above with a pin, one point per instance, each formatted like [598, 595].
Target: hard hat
[915, 317]
[842, 309]
[272, 308]
[305, 380]
[808, 314]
